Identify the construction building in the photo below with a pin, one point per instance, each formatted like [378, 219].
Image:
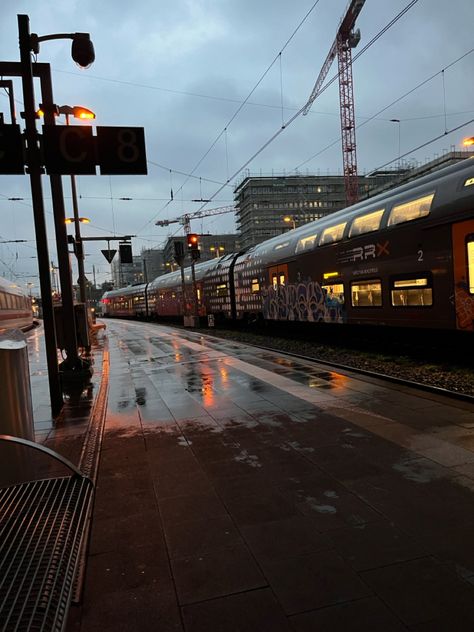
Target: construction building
[269, 205]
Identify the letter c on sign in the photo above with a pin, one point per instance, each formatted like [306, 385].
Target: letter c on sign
[67, 135]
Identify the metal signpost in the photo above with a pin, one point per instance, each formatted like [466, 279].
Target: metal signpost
[67, 150]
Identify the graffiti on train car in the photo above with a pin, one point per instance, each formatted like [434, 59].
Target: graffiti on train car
[305, 302]
[464, 302]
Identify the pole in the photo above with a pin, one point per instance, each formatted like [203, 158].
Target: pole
[34, 167]
[183, 287]
[195, 292]
[77, 235]
[72, 362]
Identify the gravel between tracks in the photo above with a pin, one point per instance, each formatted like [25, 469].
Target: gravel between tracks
[446, 376]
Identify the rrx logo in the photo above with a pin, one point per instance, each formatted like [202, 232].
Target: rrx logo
[363, 253]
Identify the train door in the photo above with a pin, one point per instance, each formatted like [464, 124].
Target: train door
[463, 270]
[278, 276]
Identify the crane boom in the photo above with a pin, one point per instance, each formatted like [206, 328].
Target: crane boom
[346, 39]
[185, 219]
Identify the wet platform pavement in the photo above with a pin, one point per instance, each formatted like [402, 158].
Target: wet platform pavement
[244, 490]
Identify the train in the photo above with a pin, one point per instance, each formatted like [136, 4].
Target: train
[403, 259]
[15, 307]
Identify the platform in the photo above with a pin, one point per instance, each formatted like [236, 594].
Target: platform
[244, 490]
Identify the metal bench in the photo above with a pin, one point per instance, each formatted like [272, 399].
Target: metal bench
[42, 530]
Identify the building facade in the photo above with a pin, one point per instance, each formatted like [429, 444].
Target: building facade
[153, 264]
[267, 206]
[124, 274]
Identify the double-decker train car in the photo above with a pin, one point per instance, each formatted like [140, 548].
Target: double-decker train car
[15, 307]
[404, 258]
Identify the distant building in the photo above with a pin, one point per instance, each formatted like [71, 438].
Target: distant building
[264, 201]
[153, 263]
[124, 274]
[417, 171]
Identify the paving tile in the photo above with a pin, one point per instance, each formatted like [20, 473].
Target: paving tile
[137, 610]
[363, 615]
[373, 545]
[421, 590]
[129, 567]
[313, 581]
[190, 507]
[196, 537]
[215, 573]
[288, 537]
[260, 507]
[253, 611]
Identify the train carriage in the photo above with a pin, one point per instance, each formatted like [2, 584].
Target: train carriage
[403, 258]
[15, 307]
[128, 302]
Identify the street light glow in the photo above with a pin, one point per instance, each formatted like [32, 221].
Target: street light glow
[77, 111]
[468, 142]
[83, 220]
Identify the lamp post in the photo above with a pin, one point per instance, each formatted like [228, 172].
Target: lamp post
[79, 112]
[394, 120]
[83, 54]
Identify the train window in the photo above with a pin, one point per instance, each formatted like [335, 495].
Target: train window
[410, 210]
[283, 245]
[334, 293]
[282, 278]
[332, 234]
[366, 223]
[306, 243]
[366, 293]
[255, 286]
[275, 281]
[3, 301]
[221, 289]
[470, 263]
[415, 292]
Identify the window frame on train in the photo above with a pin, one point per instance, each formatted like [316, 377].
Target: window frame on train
[364, 224]
[367, 282]
[411, 210]
[410, 287]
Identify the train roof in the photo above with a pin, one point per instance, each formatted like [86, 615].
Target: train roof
[172, 279]
[125, 291]
[10, 287]
[448, 178]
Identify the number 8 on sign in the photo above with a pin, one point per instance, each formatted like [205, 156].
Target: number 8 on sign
[121, 150]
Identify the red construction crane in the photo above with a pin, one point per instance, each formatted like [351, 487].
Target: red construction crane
[346, 40]
[185, 219]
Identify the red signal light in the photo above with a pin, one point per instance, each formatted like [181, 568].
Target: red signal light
[193, 241]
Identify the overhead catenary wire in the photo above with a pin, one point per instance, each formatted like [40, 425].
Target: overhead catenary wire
[236, 113]
[386, 107]
[300, 111]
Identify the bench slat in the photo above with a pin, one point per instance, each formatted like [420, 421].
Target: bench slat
[42, 524]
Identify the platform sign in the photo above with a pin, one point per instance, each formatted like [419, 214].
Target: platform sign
[69, 150]
[126, 255]
[11, 150]
[109, 254]
[121, 150]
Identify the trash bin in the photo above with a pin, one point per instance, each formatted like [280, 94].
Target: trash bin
[16, 410]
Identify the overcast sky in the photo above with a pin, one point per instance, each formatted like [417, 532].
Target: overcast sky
[182, 69]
